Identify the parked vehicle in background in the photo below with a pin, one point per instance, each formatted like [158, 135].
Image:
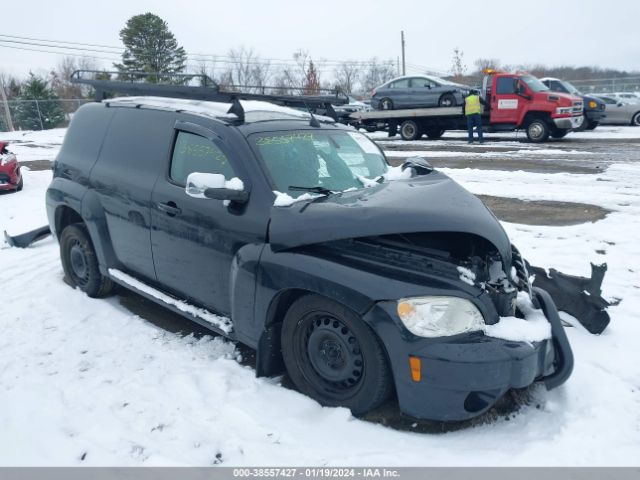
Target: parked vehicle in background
[594, 108]
[418, 91]
[514, 101]
[627, 97]
[620, 113]
[10, 174]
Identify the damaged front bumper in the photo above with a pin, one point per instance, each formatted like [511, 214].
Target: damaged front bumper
[464, 375]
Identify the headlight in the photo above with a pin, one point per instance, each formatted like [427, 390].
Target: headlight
[563, 110]
[439, 316]
[592, 104]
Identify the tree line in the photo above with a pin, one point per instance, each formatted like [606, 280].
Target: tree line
[40, 102]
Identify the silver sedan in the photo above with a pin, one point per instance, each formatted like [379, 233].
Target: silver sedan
[618, 113]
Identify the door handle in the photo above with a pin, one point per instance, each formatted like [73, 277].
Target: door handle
[170, 208]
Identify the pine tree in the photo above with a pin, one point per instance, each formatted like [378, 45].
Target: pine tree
[150, 47]
[38, 107]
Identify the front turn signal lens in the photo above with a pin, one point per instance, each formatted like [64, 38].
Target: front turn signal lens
[416, 368]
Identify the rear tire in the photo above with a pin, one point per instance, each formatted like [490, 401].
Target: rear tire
[80, 263]
[333, 357]
[434, 132]
[537, 130]
[410, 130]
[386, 104]
[447, 100]
[635, 121]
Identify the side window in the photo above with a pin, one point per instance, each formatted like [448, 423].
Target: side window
[404, 83]
[505, 85]
[558, 87]
[193, 153]
[422, 83]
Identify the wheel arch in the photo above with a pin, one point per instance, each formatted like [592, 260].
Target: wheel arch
[65, 216]
[535, 115]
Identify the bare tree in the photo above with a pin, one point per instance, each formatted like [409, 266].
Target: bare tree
[377, 73]
[484, 63]
[347, 76]
[312, 80]
[60, 77]
[458, 68]
[247, 69]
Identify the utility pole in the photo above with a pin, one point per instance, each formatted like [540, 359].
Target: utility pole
[7, 112]
[404, 69]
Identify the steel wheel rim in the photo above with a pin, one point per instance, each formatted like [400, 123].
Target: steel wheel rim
[329, 355]
[535, 130]
[78, 263]
[409, 130]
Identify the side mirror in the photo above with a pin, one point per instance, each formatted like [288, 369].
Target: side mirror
[216, 187]
[418, 166]
[620, 104]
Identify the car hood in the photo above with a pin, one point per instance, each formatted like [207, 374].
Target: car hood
[429, 203]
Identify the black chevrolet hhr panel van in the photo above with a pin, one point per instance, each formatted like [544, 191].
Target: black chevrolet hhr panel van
[290, 235]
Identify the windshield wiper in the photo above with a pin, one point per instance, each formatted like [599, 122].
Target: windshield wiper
[316, 189]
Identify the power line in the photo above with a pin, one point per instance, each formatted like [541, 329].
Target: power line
[60, 41]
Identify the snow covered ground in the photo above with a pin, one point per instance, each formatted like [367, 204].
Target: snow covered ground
[87, 382]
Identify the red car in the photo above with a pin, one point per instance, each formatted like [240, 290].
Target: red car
[10, 176]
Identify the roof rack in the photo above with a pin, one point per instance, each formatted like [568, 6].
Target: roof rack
[177, 85]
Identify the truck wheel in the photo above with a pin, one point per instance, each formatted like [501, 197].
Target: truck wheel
[537, 131]
[370, 128]
[386, 104]
[434, 132]
[410, 130]
[636, 119]
[332, 356]
[592, 126]
[447, 100]
[80, 263]
[559, 133]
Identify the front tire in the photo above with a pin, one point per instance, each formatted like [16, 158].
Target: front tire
[447, 100]
[20, 185]
[80, 263]
[591, 126]
[538, 131]
[410, 130]
[635, 121]
[332, 356]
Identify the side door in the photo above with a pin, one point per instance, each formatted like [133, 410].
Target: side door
[615, 113]
[422, 92]
[123, 178]
[194, 240]
[505, 103]
[399, 93]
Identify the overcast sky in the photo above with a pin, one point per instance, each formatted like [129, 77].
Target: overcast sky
[559, 32]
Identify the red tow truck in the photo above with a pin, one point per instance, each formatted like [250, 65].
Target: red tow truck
[515, 101]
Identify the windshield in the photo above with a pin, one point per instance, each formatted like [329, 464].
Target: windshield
[331, 159]
[534, 84]
[570, 88]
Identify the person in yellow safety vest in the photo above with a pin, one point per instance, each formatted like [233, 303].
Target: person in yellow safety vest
[472, 108]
